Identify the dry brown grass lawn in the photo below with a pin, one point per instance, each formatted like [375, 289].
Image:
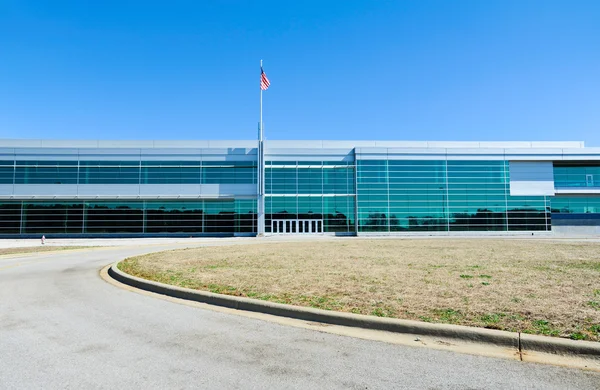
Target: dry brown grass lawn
[535, 286]
[35, 249]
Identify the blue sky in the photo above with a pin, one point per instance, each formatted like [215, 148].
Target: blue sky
[387, 70]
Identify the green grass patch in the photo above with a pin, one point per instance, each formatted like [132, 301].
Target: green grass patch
[465, 276]
[516, 317]
[577, 336]
[589, 265]
[544, 327]
[382, 312]
[492, 319]
[450, 316]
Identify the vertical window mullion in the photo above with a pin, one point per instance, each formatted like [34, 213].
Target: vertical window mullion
[447, 181]
[506, 181]
[387, 177]
[355, 194]
[144, 215]
[21, 223]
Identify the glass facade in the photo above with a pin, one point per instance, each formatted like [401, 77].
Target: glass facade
[340, 190]
[7, 172]
[576, 174]
[441, 195]
[575, 204]
[109, 172]
[311, 190]
[127, 172]
[128, 217]
[45, 172]
[576, 210]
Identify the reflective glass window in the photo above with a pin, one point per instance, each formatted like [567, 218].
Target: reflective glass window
[441, 195]
[7, 172]
[46, 172]
[576, 174]
[114, 217]
[575, 204]
[174, 217]
[10, 217]
[52, 217]
[170, 172]
[338, 213]
[109, 172]
[245, 215]
[219, 216]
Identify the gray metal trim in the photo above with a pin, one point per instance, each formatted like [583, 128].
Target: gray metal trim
[293, 144]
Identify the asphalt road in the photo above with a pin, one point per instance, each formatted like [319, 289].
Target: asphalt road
[62, 326]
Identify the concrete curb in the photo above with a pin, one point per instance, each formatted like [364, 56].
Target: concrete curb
[558, 346]
[522, 343]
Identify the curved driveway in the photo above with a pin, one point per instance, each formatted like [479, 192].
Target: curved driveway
[62, 326]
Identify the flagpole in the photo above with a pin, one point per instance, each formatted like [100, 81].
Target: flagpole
[261, 171]
[261, 122]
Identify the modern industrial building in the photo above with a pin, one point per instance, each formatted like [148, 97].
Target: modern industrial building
[196, 188]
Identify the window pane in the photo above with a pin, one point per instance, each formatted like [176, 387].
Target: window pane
[52, 217]
[109, 172]
[46, 172]
[114, 217]
[10, 217]
[174, 217]
[7, 172]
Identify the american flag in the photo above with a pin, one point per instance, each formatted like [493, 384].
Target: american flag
[264, 81]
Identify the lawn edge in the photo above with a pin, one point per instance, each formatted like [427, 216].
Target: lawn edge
[522, 343]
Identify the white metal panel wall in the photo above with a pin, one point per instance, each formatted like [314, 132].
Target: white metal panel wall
[529, 178]
[7, 190]
[117, 191]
